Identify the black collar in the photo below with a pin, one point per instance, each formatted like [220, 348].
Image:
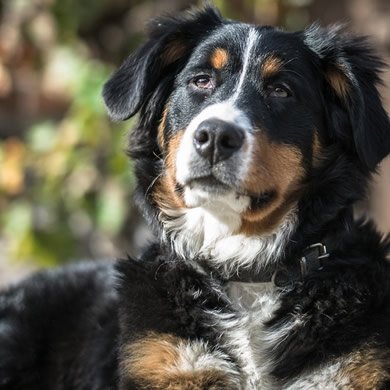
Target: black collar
[311, 260]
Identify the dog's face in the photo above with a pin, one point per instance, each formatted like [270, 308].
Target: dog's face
[241, 128]
[236, 120]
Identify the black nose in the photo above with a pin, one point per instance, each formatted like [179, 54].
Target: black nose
[217, 140]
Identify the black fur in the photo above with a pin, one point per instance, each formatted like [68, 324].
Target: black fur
[58, 330]
[345, 304]
[67, 329]
[361, 123]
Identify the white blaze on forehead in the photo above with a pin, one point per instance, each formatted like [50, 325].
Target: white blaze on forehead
[253, 37]
[226, 111]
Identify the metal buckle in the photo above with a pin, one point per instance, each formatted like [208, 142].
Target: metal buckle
[321, 255]
[313, 256]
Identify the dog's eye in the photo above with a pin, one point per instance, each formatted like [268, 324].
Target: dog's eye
[278, 91]
[203, 81]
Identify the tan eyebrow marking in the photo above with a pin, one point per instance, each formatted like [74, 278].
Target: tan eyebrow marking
[270, 66]
[219, 58]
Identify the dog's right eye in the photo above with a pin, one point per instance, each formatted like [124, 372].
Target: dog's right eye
[203, 81]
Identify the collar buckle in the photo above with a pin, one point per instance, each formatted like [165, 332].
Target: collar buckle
[312, 260]
[313, 256]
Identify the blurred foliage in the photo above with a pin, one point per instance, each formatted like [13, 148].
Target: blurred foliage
[65, 183]
[66, 178]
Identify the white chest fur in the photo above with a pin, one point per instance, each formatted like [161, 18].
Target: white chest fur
[243, 332]
[246, 339]
[211, 233]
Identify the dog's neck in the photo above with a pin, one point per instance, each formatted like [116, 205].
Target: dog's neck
[322, 214]
[252, 259]
[200, 235]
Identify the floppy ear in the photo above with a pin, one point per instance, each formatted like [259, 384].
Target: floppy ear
[351, 70]
[171, 40]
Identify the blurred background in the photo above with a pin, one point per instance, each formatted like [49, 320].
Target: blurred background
[65, 182]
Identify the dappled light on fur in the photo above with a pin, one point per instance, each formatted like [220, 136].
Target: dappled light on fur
[251, 147]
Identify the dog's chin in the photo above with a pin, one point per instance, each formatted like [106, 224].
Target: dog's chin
[208, 188]
[211, 193]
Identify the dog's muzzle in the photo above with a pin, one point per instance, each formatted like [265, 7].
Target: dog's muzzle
[215, 151]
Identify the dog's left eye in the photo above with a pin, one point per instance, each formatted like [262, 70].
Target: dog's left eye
[278, 91]
[203, 82]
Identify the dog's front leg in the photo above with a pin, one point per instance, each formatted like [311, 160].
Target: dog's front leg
[163, 361]
[165, 341]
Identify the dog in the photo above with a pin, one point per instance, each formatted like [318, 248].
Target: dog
[251, 148]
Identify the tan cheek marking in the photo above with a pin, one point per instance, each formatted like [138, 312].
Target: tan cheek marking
[153, 362]
[161, 128]
[366, 369]
[164, 193]
[173, 148]
[270, 66]
[338, 81]
[316, 150]
[274, 167]
[259, 223]
[219, 58]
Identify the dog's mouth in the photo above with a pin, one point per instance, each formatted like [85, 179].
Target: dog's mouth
[209, 184]
[211, 189]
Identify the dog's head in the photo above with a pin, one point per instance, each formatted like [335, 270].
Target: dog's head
[239, 122]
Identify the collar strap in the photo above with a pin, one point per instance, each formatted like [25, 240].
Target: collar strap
[312, 260]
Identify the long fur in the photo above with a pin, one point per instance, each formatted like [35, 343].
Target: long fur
[190, 312]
